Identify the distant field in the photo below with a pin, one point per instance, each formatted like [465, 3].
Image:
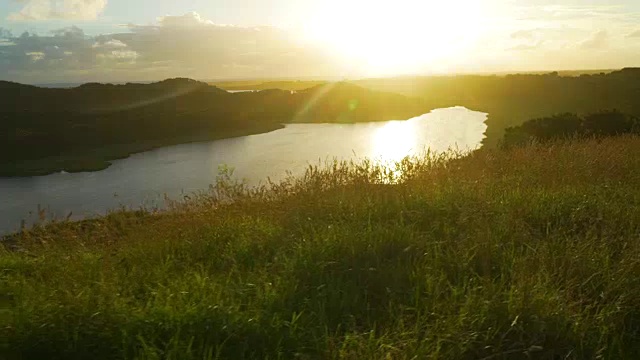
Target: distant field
[264, 85]
[527, 253]
[305, 84]
[45, 130]
[509, 99]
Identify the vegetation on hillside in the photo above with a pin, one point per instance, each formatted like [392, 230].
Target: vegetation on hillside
[79, 129]
[563, 126]
[294, 85]
[511, 99]
[47, 130]
[526, 253]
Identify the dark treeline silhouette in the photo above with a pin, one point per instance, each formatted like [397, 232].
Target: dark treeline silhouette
[567, 125]
[43, 130]
[513, 99]
[510, 100]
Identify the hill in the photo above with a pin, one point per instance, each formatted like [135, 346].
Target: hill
[564, 126]
[44, 130]
[509, 99]
[530, 252]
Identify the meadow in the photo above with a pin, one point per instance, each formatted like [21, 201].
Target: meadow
[530, 252]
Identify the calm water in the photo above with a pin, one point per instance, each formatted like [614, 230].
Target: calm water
[144, 179]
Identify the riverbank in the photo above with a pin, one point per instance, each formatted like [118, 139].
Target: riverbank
[100, 158]
[84, 128]
[527, 252]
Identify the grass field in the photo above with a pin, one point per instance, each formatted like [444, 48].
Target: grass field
[527, 253]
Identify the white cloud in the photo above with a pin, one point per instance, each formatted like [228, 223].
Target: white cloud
[544, 36]
[192, 46]
[597, 40]
[34, 10]
[573, 13]
[110, 44]
[525, 40]
[524, 34]
[192, 19]
[128, 55]
[124, 54]
[36, 55]
[186, 46]
[528, 46]
[582, 11]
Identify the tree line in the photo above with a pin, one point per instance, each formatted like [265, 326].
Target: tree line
[569, 125]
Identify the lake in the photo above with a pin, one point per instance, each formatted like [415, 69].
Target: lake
[145, 178]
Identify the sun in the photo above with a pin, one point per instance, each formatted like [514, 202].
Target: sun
[400, 36]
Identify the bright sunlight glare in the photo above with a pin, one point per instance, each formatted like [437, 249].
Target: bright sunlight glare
[394, 140]
[401, 36]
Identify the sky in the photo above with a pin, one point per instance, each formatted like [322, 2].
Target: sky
[47, 41]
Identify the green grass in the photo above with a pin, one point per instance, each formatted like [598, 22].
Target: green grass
[527, 253]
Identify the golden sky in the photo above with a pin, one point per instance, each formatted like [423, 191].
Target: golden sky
[119, 40]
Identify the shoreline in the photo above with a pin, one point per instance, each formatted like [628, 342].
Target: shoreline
[103, 157]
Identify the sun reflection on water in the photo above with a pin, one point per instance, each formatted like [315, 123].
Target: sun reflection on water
[394, 141]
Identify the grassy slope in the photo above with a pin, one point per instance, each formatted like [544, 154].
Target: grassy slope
[527, 253]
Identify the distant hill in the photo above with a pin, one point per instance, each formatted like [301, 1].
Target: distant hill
[513, 99]
[343, 102]
[268, 84]
[74, 129]
[43, 130]
[510, 99]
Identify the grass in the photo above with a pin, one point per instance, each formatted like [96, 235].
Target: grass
[527, 253]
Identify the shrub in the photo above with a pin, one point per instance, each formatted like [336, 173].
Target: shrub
[567, 125]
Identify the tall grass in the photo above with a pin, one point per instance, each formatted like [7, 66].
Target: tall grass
[532, 252]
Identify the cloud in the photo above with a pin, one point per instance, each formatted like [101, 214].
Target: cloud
[109, 44]
[192, 19]
[120, 55]
[524, 34]
[581, 11]
[597, 40]
[566, 24]
[36, 55]
[529, 39]
[635, 34]
[565, 13]
[35, 10]
[191, 46]
[5, 33]
[185, 45]
[528, 46]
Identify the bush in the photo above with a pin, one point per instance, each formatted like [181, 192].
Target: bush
[567, 125]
